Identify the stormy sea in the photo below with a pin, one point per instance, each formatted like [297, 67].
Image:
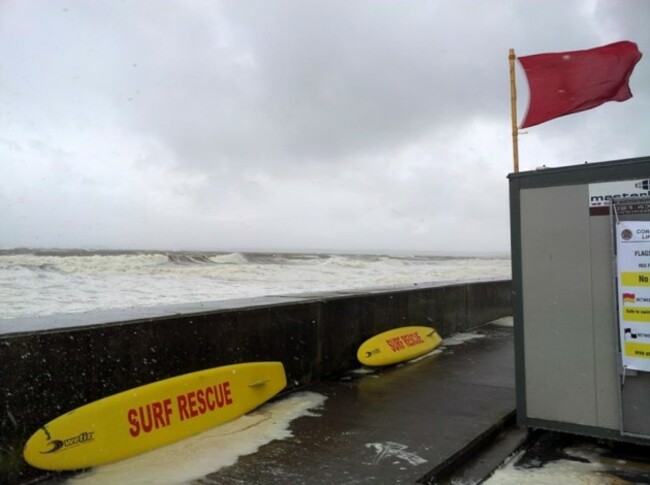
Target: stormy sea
[47, 282]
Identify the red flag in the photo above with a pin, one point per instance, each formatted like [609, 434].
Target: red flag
[562, 83]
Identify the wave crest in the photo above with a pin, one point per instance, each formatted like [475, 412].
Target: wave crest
[189, 259]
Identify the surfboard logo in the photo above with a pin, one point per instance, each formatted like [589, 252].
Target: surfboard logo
[370, 353]
[58, 445]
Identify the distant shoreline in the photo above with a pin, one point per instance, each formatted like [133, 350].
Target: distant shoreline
[212, 253]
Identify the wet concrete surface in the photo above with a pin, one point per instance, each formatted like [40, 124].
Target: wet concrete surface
[419, 423]
[580, 459]
[394, 425]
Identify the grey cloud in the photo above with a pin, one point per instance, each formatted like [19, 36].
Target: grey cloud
[354, 124]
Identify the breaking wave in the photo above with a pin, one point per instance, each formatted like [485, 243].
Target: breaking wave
[34, 284]
[189, 259]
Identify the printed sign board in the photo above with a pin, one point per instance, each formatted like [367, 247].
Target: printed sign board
[602, 194]
[633, 292]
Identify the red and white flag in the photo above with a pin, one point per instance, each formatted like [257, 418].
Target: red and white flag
[563, 83]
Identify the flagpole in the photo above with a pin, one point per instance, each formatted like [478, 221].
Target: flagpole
[513, 110]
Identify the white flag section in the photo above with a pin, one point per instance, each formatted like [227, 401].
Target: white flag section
[633, 292]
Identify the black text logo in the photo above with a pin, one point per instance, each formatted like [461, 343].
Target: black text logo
[58, 445]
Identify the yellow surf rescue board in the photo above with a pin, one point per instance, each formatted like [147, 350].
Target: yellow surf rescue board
[398, 345]
[153, 415]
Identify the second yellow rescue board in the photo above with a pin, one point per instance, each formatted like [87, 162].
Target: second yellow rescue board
[398, 345]
[153, 415]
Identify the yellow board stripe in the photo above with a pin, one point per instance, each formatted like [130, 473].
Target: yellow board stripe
[636, 314]
[641, 351]
[635, 278]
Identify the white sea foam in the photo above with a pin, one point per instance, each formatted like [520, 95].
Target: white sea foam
[390, 451]
[561, 472]
[210, 451]
[425, 356]
[362, 371]
[591, 472]
[504, 322]
[460, 338]
[32, 285]
[232, 258]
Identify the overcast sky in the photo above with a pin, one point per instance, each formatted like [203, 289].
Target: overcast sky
[288, 125]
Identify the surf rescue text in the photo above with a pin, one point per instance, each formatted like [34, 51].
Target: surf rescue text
[402, 341]
[158, 414]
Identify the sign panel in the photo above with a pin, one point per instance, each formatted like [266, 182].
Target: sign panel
[633, 292]
[601, 194]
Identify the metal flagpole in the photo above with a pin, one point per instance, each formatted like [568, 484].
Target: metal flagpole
[513, 110]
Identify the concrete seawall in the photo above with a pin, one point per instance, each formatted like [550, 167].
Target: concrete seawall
[48, 372]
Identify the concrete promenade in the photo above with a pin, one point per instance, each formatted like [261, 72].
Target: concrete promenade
[395, 425]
